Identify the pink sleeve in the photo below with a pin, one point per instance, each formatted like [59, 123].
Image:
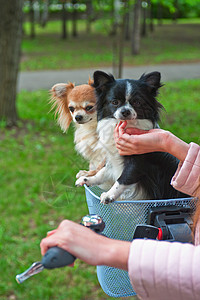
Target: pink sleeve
[187, 176]
[163, 270]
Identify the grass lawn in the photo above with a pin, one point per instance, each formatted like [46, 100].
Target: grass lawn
[169, 43]
[38, 167]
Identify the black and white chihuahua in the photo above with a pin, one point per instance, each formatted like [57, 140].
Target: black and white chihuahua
[135, 177]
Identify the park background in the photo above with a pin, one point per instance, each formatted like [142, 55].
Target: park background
[38, 162]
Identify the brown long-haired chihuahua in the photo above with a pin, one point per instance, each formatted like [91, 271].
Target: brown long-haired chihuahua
[77, 104]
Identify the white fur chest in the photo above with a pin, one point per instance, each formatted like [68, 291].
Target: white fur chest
[114, 162]
[86, 140]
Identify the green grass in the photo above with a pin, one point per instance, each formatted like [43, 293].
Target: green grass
[169, 43]
[181, 100]
[38, 167]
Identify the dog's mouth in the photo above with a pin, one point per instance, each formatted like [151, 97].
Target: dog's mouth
[126, 117]
[83, 121]
[122, 118]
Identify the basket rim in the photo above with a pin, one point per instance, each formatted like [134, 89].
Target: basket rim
[140, 201]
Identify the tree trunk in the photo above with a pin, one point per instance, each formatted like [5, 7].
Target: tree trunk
[135, 47]
[32, 19]
[150, 16]
[127, 22]
[11, 17]
[113, 24]
[159, 13]
[118, 43]
[115, 34]
[115, 54]
[144, 22]
[176, 13]
[74, 19]
[89, 13]
[64, 21]
[121, 46]
[44, 14]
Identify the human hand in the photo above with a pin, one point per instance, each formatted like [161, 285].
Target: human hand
[136, 141]
[71, 237]
[87, 245]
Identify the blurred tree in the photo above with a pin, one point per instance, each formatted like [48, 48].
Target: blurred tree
[135, 43]
[145, 16]
[89, 15]
[44, 12]
[11, 34]
[32, 19]
[127, 21]
[122, 37]
[120, 15]
[74, 19]
[150, 15]
[159, 12]
[64, 20]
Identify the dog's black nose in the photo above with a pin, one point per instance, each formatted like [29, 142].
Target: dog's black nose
[79, 118]
[125, 113]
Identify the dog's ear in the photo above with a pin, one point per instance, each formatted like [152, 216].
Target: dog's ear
[60, 90]
[153, 80]
[59, 100]
[101, 78]
[90, 81]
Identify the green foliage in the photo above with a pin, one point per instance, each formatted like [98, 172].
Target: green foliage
[184, 8]
[187, 8]
[55, 7]
[38, 168]
[166, 44]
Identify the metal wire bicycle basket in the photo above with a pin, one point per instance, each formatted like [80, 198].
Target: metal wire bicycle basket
[121, 219]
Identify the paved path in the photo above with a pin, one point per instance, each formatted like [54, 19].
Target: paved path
[35, 80]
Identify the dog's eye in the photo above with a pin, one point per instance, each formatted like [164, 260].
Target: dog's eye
[89, 107]
[71, 108]
[115, 102]
[137, 103]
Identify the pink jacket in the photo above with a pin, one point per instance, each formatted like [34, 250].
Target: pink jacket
[161, 270]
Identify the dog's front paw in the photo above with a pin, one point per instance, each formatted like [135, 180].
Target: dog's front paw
[106, 198]
[81, 173]
[81, 181]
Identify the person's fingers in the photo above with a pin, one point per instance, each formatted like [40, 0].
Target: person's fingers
[51, 232]
[135, 131]
[121, 151]
[122, 128]
[123, 124]
[47, 243]
[120, 148]
[116, 131]
[125, 138]
[124, 145]
[119, 124]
